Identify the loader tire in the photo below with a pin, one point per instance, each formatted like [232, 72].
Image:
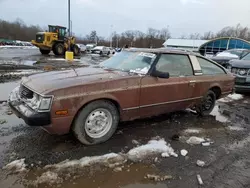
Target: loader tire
[76, 50]
[58, 49]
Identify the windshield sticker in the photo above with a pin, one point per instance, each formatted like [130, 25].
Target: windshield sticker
[147, 55]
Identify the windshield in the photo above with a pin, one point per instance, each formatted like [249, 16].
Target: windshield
[246, 57]
[137, 62]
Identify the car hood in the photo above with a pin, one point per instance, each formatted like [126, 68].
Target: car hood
[240, 63]
[45, 83]
[222, 58]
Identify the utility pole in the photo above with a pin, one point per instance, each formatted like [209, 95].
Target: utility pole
[69, 21]
[71, 29]
[111, 38]
[69, 56]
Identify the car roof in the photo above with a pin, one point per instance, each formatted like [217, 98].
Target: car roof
[162, 50]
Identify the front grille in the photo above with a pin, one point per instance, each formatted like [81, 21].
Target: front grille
[39, 38]
[25, 92]
[239, 80]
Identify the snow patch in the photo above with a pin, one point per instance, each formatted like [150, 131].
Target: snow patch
[234, 128]
[184, 152]
[87, 161]
[60, 59]
[23, 72]
[193, 131]
[231, 97]
[226, 54]
[218, 116]
[195, 140]
[16, 166]
[140, 70]
[200, 163]
[48, 177]
[153, 147]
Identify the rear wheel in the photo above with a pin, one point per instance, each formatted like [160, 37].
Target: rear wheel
[207, 104]
[44, 52]
[58, 49]
[96, 122]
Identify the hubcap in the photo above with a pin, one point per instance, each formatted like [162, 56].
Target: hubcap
[98, 123]
[60, 50]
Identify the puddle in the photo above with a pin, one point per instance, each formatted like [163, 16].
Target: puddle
[218, 116]
[28, 62]
[146, 186]
[131, 176]
[7, 88]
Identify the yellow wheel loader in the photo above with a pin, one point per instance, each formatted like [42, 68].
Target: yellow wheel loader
[55, 39]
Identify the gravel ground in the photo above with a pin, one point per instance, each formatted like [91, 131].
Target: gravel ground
[226, 159]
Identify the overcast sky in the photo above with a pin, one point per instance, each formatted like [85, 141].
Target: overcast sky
[181, 16]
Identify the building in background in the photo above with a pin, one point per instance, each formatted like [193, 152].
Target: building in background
[187, 44]
[221, 44]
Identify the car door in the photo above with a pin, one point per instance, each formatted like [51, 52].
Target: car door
[161, 95]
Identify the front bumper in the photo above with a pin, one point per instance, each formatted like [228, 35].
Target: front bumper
[30, 116]
[242, 88]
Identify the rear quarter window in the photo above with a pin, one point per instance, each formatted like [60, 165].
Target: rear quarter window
[209, 68]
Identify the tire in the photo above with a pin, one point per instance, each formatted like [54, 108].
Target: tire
[75, 49]
[207, 104]
[108, 53]
[58, 49]
[44, 52]
[101, 52]
[89, 126]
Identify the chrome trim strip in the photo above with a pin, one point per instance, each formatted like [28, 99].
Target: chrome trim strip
[157, 104]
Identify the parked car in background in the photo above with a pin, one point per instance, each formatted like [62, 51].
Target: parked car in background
[112, 50]
[241, 69]
[82, 47]
[209, 54]
[89, 47]
[118, 49]
[224, 57]
[102, 50]
[138, 83]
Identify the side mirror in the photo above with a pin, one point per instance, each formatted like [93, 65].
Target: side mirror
[160, 74]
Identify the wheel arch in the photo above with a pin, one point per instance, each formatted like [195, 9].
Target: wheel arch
[217, 90]
[114, 101]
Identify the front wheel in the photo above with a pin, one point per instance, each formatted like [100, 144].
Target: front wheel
[96, 122]
[76, 50]
[207, 104]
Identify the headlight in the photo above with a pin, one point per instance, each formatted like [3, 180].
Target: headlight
[35, 101]
[45, 103]
[242, 71]
[229, 67]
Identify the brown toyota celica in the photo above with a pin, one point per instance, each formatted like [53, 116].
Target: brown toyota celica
[135, 83]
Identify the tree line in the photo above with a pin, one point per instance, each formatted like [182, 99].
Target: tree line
[154, 38]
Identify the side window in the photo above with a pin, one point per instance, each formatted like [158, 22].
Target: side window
[176, 65]
[208, 68]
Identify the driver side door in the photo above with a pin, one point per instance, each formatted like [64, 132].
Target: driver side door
[162, 95]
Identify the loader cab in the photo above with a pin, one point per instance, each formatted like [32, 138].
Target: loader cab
[58, 29]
